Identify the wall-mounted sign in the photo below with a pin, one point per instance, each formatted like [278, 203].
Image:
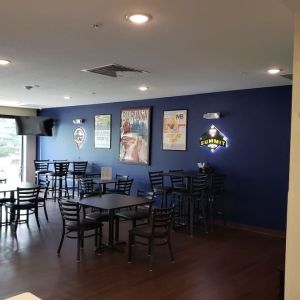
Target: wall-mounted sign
[213, 139]
[79, 136]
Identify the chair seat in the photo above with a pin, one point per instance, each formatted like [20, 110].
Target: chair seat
[97, 216]
[84, 225]
[23, 205]
[77, 173]
[162, 189]
[4, 200]
[146, 231]
[134, 215]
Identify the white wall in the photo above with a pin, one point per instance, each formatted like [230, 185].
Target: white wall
[292, 267]
[30, 141]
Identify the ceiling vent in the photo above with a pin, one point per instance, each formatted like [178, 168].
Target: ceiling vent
[112, 70]
[287, 76]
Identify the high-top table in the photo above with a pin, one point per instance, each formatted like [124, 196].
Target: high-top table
[111, 202]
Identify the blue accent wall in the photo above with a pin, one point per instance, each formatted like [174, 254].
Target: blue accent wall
[256, 121]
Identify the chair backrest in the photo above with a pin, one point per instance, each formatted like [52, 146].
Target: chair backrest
[124, 186]
[176, 180]
[27, 195]
[118, 178]
[162, 218]
[156, 179]
[79, 167]
[41, 165]
[87, 187]
[217, 183]
[199, 184]
[61, 168]
[70, 211]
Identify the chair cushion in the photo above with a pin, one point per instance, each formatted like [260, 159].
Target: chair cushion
[84, 225]
[146, 231]
[23, 205]
[134, 215]
[97, 216]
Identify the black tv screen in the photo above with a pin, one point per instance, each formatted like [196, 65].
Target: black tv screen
[36, 125]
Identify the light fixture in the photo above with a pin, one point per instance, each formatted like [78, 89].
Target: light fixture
[67, 97]
[78, 121]
[143, 88]
[213, 115]
[4, 62]
[274, 71]
[138, 18]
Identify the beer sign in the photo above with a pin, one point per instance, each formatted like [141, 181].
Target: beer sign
[213, 138]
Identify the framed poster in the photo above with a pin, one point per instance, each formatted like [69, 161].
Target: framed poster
[79, 137]
[103, 131]
[174, 130]
[135, 135]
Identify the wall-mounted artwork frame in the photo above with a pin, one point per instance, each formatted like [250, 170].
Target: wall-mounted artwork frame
[103, 131]
[135, 135]
[174, 130]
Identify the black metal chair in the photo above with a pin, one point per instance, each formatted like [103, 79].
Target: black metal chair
[118, 178]
[156, 233]
[87, 190]
[3, 199]
[216, 200]
[41, 170]
[158, 187]
[75, 228]
[136, 214]
[198, 197]
[42, 199]
[79, 171]
[27, 199]
[123, 187]
[59, 178]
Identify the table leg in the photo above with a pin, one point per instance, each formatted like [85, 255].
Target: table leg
[103, 188]
[111, 228]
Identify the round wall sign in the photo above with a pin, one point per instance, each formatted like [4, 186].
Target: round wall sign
[79, 136]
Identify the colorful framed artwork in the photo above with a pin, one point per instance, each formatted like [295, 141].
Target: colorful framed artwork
[103, 131]
[135, 135]
[174, 130]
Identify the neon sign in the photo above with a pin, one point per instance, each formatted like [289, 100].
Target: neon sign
[213, 139]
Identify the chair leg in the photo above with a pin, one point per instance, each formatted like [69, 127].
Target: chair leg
[150, 252]
[82, 240]
[130, 240]
[61, 241]
[36, 213]
[73, 186]
[78, 245]
[171, 250]
[99, 240]
[45, 210]
[117, 229]
[17, 221]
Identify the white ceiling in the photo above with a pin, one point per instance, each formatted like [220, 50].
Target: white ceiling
[189, 47]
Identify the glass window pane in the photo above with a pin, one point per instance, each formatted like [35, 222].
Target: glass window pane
[10, 151]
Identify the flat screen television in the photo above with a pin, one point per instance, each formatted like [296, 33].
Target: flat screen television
[36, 125]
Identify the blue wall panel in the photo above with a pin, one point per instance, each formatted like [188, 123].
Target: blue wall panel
[256, 121]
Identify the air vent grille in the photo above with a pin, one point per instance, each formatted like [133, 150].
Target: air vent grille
[112, 70]
[287, 76]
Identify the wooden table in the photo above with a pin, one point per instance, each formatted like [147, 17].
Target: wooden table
[112, 202]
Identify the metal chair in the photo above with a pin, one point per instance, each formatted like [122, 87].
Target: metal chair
[73, 224]
[41, 170]
[3, 199]
[59, 176]
[156, 233]
[26, 200]
[79, 171]
[158, 187]
[122, 187]
[42, 200]
[216, 201]
[118, 178]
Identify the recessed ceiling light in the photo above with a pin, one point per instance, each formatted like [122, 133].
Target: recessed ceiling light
[67, 97]
[274, 71]
[143, 88]
[138, 18]
[4, 62]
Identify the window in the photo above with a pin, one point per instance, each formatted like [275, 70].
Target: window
[11, 147]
